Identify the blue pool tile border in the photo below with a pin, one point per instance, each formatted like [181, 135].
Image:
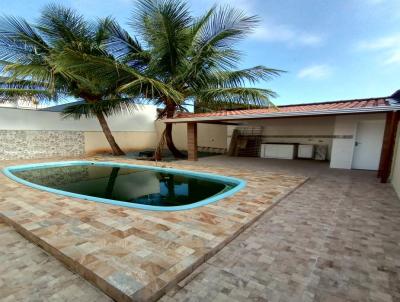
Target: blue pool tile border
[239, 183]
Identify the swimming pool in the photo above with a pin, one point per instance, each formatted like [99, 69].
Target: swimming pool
[135, 186]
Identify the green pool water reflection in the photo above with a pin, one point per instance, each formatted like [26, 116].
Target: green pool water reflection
[131, 185]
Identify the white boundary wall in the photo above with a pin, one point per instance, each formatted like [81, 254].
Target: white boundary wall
[141, 119]
[38, 134]
[41, 134]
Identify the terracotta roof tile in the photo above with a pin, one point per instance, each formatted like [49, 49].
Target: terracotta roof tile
[337, 105]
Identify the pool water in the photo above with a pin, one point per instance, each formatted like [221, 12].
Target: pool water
[127, 184]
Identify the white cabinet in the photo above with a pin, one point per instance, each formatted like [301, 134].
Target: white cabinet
[281, 151]
[305, 151]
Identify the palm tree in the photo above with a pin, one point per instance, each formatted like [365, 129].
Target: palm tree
[195, 58]
[36, 64]
[177, 60]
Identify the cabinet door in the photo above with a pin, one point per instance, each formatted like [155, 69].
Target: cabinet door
[262, 150]
[305, 151]
[279, 151]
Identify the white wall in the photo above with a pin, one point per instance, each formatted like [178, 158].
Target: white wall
[345, 131]
[23, 104]
[208, 135]
[141, 119]
[55, 136]
[96, 142]
[136, 130]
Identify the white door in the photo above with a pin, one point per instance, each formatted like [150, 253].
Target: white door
[368, 145]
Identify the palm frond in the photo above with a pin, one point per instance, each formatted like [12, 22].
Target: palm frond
[243, 77]
[20, 42]
[18, 29]
[126, 48]
[164, 24]
[6, 82]
[101, 30]
[131, 81]
[225, 26]
[98, 74]
[200, 107]
[200, 22]
[237, 95]
[12, 94]
[34, 72]
[61, 25]
[152, 89]
[150, 13]
[107, 107]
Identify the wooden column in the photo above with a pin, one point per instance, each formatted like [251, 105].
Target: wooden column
[389, 140]
[192, 141]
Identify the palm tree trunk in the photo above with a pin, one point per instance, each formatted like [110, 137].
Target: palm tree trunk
[111, 182]
[160, 147]
[170, 142]
[167, 135]
[116, 150]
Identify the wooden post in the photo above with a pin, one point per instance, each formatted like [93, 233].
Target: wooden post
[192, 141]
[389, 140]
[385, 143]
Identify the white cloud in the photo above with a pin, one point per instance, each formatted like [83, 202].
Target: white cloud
[310, 39]
[315, 72]
[388, 47]
[285, 34]
[380, 43]
[394, 58]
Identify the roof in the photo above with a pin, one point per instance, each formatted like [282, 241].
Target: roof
[326, 108]
[61, 107]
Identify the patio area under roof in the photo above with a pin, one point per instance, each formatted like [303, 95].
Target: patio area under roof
[360, 110]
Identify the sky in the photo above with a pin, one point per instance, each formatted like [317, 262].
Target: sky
[330, 49]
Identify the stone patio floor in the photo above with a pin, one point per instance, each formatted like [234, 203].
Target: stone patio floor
[27, 273]
[132, 254]
[336, 238]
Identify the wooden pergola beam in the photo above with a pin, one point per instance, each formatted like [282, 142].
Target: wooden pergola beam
[389, 141]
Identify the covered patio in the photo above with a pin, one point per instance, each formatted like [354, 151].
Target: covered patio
[357, 134]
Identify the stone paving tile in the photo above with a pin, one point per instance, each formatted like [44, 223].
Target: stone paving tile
[133, 254]
[336, 238]
[27, 273]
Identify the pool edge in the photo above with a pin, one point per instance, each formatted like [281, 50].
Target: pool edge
[240, 184]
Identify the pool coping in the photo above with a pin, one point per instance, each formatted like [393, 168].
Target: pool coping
[239, 183]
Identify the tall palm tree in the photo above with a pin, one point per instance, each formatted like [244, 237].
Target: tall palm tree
[35, 64]
[196, 58]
